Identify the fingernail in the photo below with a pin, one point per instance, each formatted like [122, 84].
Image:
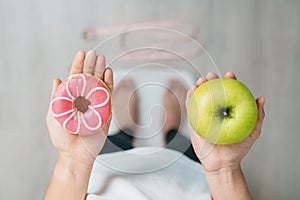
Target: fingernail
[91, 52]
[80, 53]
[228, 73]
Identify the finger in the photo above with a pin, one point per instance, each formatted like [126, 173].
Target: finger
[201, 80]
[77, 64]
[90, 62]
[108, 78]
[211, 75]
[191, 91]
[230, 75]
[105, 129]
[188, 95]
[55, 84]
[100, 66]
[261, 115]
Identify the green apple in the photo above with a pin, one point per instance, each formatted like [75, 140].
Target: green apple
[223, 111]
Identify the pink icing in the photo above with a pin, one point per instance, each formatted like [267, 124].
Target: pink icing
[98, 111]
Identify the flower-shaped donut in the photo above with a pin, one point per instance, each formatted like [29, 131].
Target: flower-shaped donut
[82, 104]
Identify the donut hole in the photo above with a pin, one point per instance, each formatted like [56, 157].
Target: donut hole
[81, 104]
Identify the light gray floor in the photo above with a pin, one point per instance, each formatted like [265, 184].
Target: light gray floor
[259, 40]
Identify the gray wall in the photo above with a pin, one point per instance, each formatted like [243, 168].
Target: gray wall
[259, 40]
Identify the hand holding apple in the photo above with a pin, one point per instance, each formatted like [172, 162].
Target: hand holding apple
[216, 156]
[223, 111]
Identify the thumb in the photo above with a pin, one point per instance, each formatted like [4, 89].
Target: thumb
[108, 78]
[55, 84]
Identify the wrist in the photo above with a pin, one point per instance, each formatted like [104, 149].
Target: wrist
[224, 172]
[73, 174]
[69, 180]
[228, 183]
[74, 165]
[76, 160]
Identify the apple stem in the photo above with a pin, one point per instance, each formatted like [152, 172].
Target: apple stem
[225, 114]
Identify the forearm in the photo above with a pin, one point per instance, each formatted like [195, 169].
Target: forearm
[69, 180]
[228, 183]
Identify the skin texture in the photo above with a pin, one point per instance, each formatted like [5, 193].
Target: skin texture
[75, 161]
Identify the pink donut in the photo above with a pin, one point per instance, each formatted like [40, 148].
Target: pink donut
[82, 104]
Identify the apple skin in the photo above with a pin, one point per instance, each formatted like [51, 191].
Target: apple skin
[223, 111]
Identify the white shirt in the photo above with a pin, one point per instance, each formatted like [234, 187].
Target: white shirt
[147, 173]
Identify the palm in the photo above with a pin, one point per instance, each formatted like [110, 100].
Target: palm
[83, 148]
[214, 157]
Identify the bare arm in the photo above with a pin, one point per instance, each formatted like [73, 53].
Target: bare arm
[69, 180]
[228, 183]
[76, 153]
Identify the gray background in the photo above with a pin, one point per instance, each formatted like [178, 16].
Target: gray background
[259, 40]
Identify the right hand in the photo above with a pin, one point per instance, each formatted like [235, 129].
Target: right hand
[81, 149]
[216, 157]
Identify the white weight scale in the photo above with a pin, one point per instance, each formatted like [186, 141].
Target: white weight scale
[150, 81]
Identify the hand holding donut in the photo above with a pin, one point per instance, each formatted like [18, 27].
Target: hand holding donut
[71, 131]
